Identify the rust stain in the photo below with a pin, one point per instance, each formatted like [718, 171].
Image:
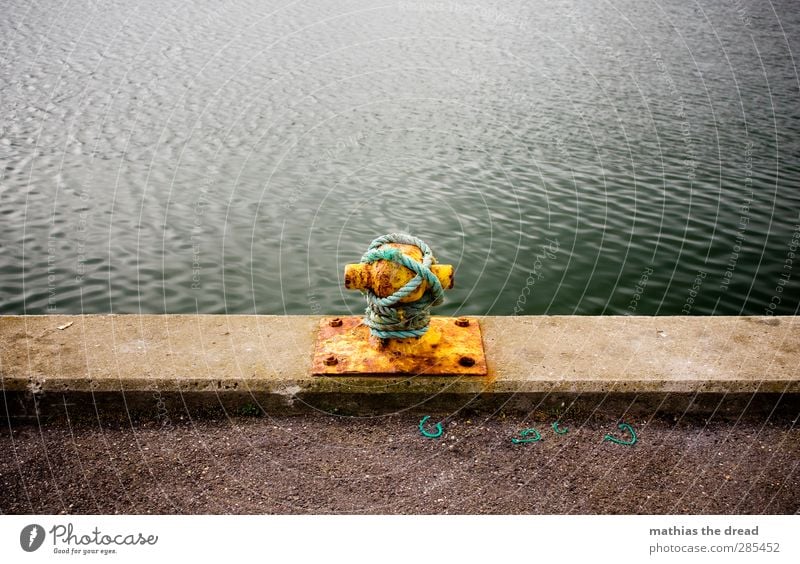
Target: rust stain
[386, 277]
[440, 352]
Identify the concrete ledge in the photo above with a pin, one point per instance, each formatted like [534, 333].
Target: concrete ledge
[224, 360]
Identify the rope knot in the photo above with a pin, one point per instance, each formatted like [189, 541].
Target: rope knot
[387, 317]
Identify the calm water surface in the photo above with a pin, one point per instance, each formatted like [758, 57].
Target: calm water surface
[566, 156]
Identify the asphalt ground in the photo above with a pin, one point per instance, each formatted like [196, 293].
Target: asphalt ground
[329, 464]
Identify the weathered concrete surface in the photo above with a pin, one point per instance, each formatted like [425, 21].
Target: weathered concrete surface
[379, 465]
[269, 357]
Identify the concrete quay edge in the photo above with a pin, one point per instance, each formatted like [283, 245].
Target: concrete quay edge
[124, 361]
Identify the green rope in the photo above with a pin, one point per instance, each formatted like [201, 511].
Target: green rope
[435, 434]
[385, 317]
[559, 430]
[624, 427]
[525, 433]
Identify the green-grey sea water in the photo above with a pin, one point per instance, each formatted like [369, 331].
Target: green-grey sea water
[568, 157]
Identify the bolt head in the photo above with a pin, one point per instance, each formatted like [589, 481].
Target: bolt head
[462, 322]
[331, 361]
[335, 322]
[466, 361]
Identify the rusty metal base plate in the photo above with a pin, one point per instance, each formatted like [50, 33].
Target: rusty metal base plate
[447, 349]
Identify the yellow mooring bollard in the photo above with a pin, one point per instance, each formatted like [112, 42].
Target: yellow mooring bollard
[385, 277]
[401, 281]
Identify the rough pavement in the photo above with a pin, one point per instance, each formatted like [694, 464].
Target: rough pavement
[327, 464]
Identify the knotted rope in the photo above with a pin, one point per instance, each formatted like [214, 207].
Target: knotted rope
[624, 427]
[524, 433]
[386, 317]
[431, 435]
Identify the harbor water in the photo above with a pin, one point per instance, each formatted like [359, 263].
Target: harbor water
[566, 156]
